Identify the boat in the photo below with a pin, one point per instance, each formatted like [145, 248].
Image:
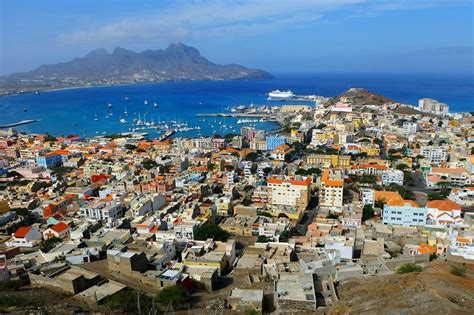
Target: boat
[280, 95]
[24, 109]
[145, 102]
[37, 93]
[110, 105]
[125, 112]
[155, 104]
[127, 98]
[122, 121]
[96, 119]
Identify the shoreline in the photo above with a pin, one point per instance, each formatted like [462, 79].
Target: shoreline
[46, 90]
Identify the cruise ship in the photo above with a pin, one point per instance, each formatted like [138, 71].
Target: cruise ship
[280, 95]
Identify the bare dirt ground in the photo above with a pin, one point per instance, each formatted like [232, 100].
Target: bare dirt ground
[433, 291]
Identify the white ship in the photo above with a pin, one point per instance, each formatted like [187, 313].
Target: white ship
[280, 95]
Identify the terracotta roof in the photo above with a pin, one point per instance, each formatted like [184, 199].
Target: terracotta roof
[59, 227]
[444, 205]
[448, 170]
[331, 182]
[21, 232]
[402, 202]
[387, 195]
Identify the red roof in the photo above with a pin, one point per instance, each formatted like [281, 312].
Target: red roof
[445, 205]
[59, 227]
[21, 232]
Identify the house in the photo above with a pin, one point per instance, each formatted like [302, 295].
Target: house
[280, 151]
[443, 212]
[29, 236]
[59, 230]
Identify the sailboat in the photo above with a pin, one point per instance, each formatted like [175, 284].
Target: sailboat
[125, 112]
[96, 119]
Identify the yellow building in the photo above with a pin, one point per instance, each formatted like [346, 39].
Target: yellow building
[343, 161]
[371, 151]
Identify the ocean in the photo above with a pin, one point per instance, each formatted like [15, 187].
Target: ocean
[85, 111]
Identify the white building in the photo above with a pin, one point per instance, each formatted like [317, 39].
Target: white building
[435, 154]
[410, 127]
[143, 204]
[25, 237]
[392, 177]
[367, 196]
[433, 106]
[403, 212]
[102, 210]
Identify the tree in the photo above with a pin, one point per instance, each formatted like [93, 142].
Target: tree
[176, 295]
[262, 239]
[402, 167]
[49, 244]
[284, 236]
[149, 164]
[49, 138]
[332, 216]
[367, 213]
[252, 156]
[211, 230]
[130, 147]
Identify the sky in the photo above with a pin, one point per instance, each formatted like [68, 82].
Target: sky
[293, 36]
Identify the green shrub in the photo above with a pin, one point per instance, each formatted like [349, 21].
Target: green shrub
[409, 268]
[458, 271]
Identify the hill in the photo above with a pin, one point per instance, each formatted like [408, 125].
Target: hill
[433, 291]
[358, 96]
[178, 62]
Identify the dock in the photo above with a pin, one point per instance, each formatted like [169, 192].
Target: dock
[166, 135]
[20, 123]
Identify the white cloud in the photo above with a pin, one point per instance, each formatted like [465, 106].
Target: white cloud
[203, 19]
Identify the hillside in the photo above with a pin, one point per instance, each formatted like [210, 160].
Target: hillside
[360, 96]
[433, 291]
[178, 62]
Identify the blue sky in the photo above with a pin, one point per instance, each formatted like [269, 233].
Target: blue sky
[384, 36]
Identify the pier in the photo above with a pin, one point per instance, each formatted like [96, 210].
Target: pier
[20, 123]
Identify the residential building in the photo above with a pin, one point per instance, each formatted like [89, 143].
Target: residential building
[275, 141]
[290, 196]
[322, 160]
[404, 212]
[392, 177]
[281, 151]
[331, 190]
[50, 160]
[434, 154]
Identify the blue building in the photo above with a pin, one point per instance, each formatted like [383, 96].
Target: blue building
[50, 160]
[274, 141]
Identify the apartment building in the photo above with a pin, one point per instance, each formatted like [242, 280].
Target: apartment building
[331, 190]
[404, 212]
[289, 195]
[434, 154]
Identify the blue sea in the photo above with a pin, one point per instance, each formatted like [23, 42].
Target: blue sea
[73, 111]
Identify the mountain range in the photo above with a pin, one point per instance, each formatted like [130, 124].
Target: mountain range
[178, 62]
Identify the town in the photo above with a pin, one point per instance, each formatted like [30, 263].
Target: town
[352, 187]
